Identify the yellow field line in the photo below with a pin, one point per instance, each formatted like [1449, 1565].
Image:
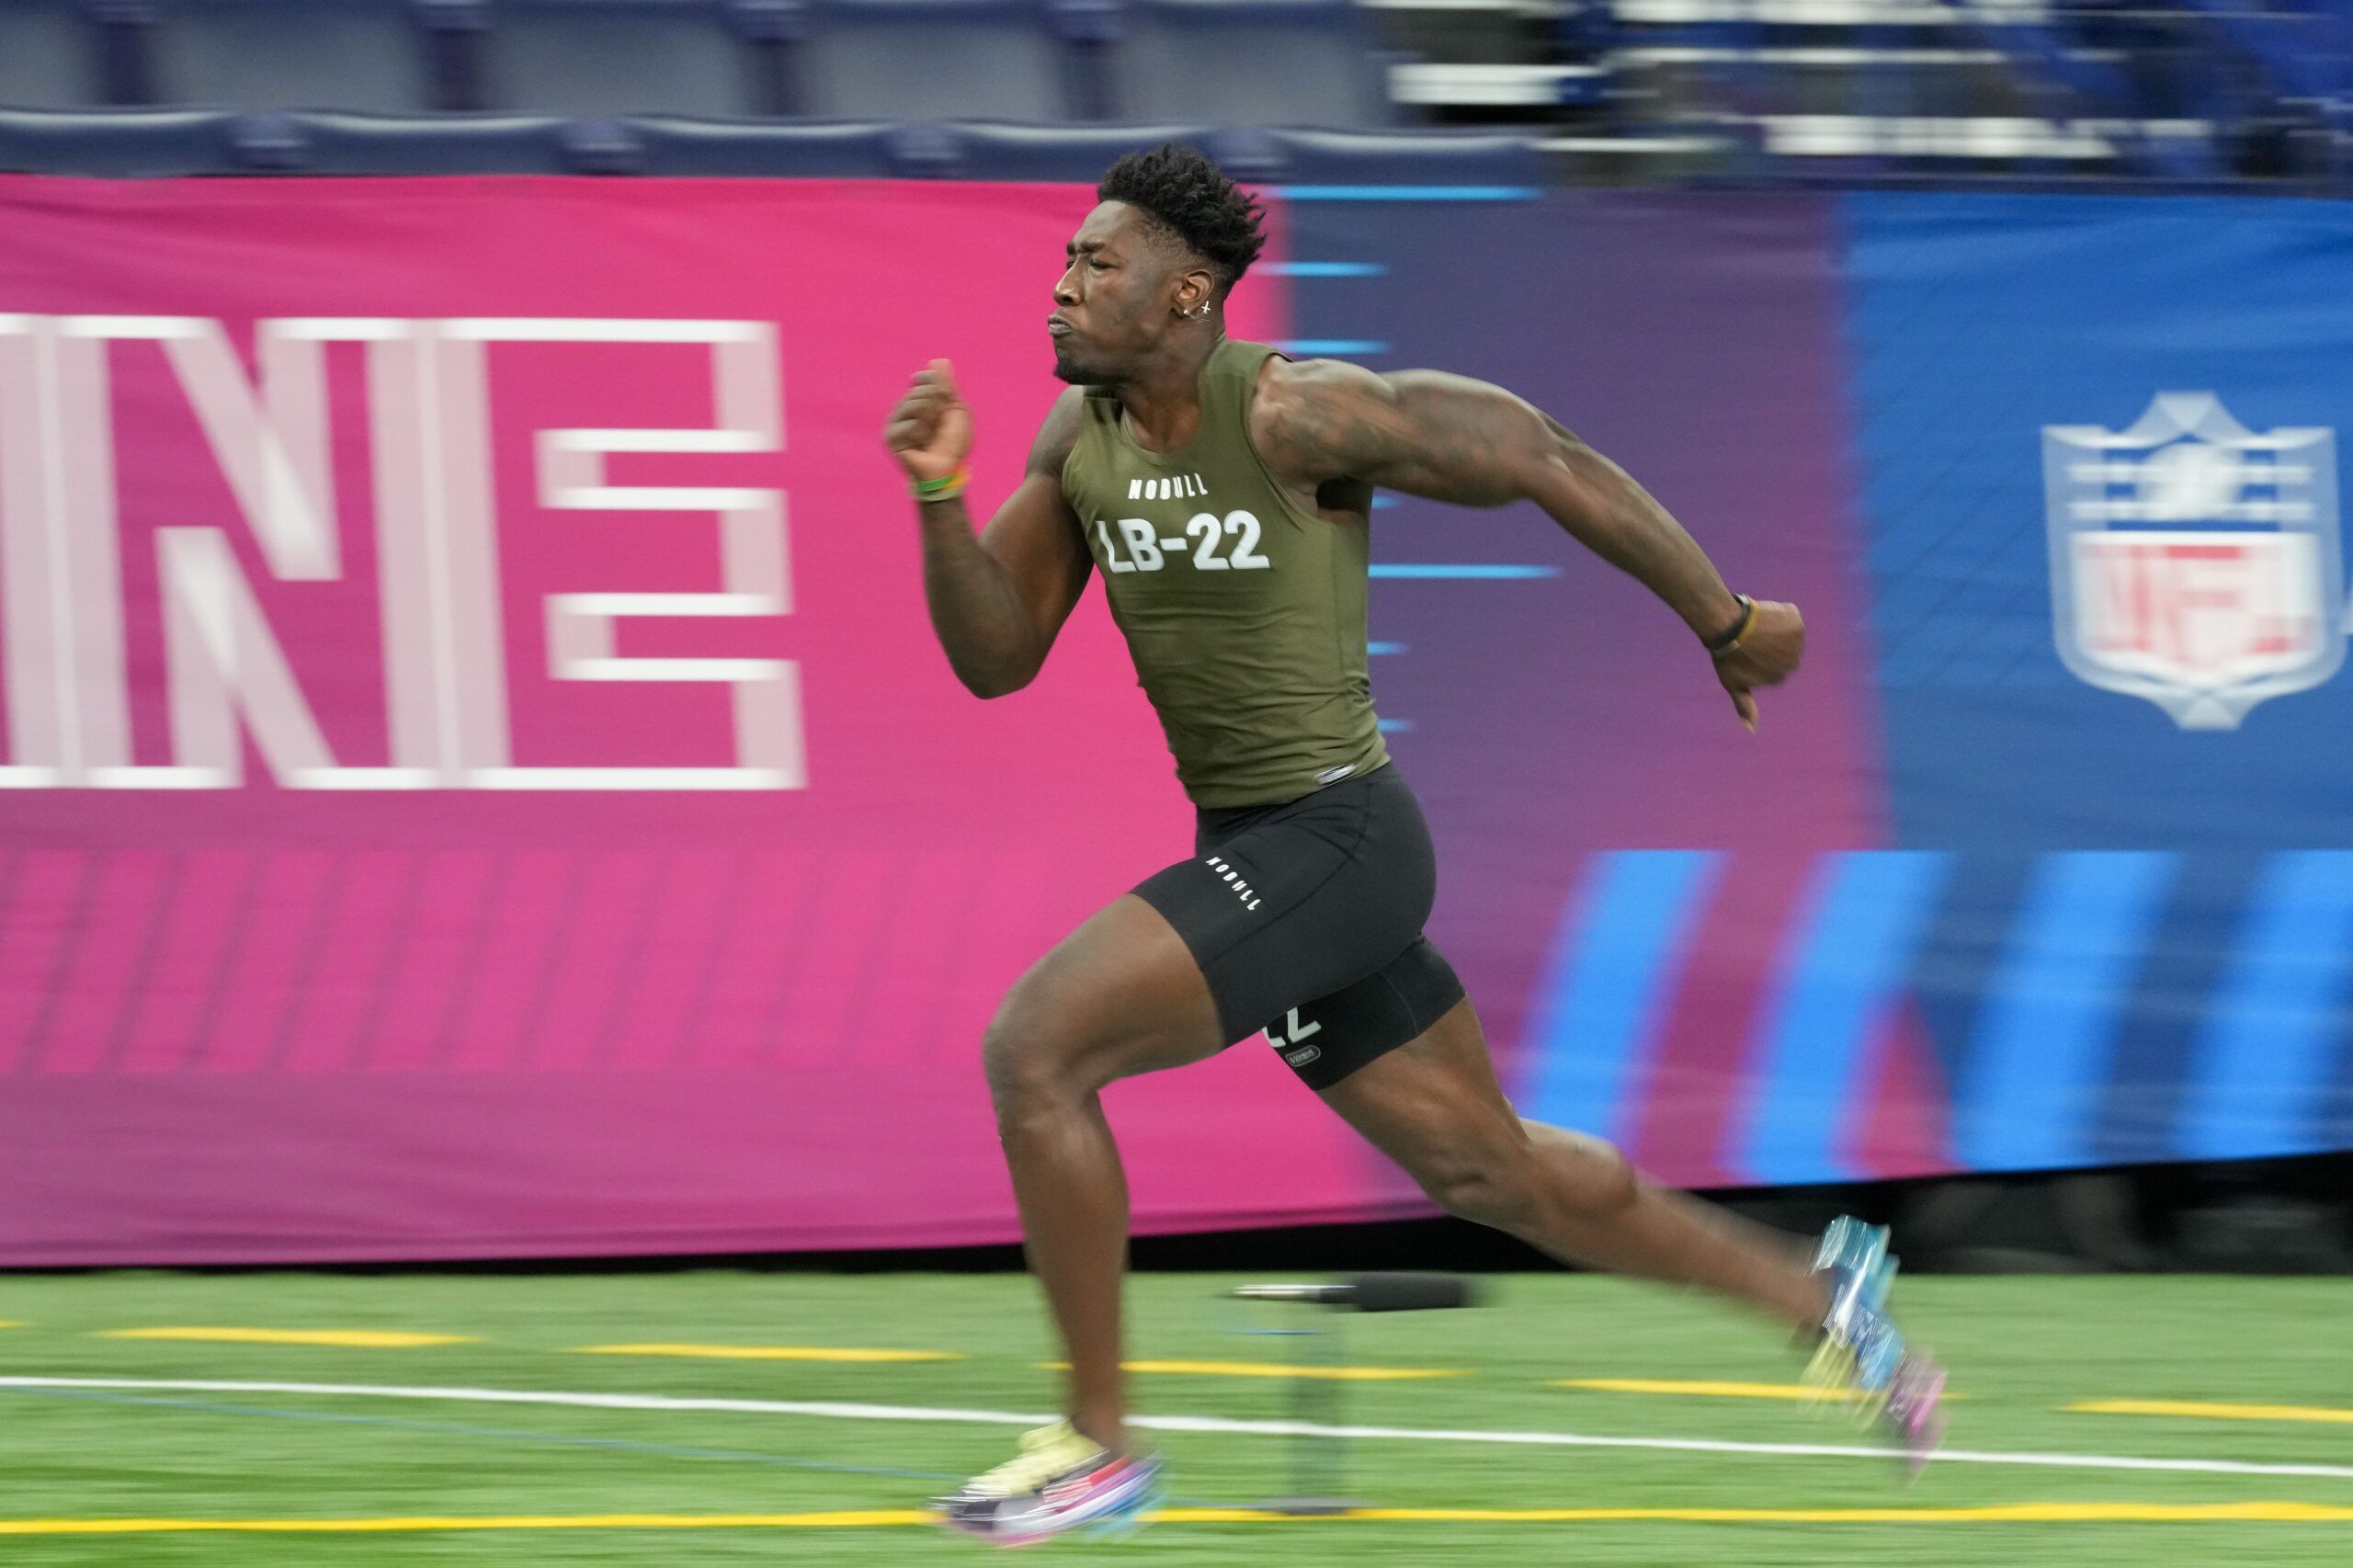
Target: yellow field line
[13, 1323]
[1277, 1369]
[2203, 1411]
[1799, 1392]
[360, 1338]
[769, 1352]
[1996, 1513]
[2007, 1513]
[839, 1520]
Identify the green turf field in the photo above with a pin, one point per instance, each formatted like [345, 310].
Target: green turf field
[568, 1485]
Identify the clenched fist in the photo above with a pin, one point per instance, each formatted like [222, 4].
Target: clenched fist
[930, 431]
[1775, 643]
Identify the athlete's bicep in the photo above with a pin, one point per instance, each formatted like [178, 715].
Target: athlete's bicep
[1425, 432]
[1036, 540]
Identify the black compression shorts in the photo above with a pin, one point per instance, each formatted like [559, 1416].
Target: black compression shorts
[1306, 917]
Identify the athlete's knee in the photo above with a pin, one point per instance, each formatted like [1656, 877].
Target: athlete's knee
[1588, 1175]
[1029, 1057]
[1024, 1058]
[1496, 1183]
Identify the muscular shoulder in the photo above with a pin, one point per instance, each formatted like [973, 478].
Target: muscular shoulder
[1058, 433]
[1315, 420]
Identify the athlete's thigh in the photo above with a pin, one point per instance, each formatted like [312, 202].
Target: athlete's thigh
[1434, 1094]
[1120, 996]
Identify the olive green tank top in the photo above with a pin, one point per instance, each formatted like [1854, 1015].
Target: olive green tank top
[1244, 610]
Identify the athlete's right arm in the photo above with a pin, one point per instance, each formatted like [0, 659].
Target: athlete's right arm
[998, 597]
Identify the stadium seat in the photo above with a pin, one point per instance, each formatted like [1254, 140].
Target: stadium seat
[374, 56]
[427, 144]
[1081, 153]
[799, 149]
[118, 143]
[129, 143]
[1248, 62]
[48, 55]
[1075, 153]
[938, 60]
[1500, 158]
[622, 57]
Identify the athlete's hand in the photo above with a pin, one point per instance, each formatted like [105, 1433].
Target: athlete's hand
[930, 431]
[1765, 657]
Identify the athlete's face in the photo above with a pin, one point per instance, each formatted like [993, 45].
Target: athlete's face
[1118, 296]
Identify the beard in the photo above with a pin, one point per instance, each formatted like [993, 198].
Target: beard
[1067, 367]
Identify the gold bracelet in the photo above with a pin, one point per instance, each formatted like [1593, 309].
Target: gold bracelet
[1730, 642]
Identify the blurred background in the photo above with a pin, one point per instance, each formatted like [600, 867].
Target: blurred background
[391, 389]
[2185, 91]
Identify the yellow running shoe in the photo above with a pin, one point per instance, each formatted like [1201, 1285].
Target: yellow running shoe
[1060, 1480]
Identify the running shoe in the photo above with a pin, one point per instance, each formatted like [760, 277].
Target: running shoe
[1862, 1355]
[1060, 1480]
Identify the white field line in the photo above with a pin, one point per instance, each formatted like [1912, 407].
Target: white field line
[1181, 1424]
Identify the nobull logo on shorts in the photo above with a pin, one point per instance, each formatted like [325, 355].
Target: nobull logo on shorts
[2195, 563]
[1234, 881]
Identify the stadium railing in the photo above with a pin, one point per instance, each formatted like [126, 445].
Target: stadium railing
[136, 142]
[1228, 61]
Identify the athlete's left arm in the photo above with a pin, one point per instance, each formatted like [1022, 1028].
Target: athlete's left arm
[1453, 438]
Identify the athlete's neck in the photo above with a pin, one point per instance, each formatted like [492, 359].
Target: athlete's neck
[1163, 399]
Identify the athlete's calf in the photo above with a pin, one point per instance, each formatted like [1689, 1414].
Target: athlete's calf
[1435, 1108]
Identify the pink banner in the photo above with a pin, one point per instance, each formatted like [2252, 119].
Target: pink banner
[478, 777]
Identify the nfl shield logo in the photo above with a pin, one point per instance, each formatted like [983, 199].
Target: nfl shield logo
[2194, 562]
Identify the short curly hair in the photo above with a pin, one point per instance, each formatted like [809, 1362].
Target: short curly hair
[1180, 189]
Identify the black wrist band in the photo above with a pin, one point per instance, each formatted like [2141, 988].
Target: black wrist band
[1726, 641]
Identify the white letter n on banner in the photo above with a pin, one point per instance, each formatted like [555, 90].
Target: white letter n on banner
[69, 702]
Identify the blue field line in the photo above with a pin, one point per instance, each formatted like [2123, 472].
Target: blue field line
[2030, 1090]
[1394, 726]
[1850, 954]
[1313, 347]
[1376, 649]
[1450, 570]
[1407, 192]
[2259, 1072]
[1382, 501]
[1328, 269]
[1604, 995]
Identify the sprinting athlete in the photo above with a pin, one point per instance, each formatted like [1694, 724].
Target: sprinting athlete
[1223, 489]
